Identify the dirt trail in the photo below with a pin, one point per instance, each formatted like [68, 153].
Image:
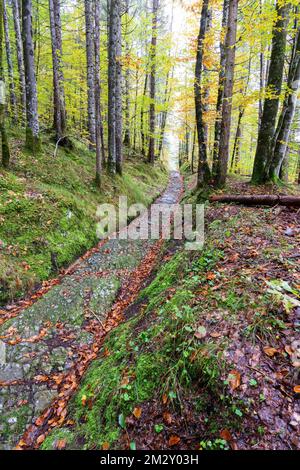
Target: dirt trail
[46, 348]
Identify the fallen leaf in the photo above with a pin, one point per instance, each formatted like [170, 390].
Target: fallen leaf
[61, 444]
[165, 399]
[297, 389]
[83, 400]
[168, 419]
[270, 351]
[215, 334]
[40, 439]
[234, 379]
[225, 434]
[105, 446]
[174, 440]
[137, 412]
[201, 332]
[210, 276]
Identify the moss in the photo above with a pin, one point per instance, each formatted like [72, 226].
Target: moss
[63, 434]
[48, 206]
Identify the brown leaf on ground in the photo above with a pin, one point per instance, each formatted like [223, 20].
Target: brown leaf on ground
[226, 435]
[297, 389]
[137, 412]
[234, 379]
[105, 446]
[61, 444]
[270, 351]
[174, 440]
[167, 417]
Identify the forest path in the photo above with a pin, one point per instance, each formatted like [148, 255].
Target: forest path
[46, 348]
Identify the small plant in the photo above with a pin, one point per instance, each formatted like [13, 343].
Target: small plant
[216, 444]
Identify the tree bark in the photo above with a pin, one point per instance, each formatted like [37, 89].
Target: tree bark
[90, 59]
[152, 116]
[127, 134]
[238, 134]
[112, 65]
[5, 157]
[203, 168]
[228, 91]
[20, 55]
[267, 129]
[258, 200]
[100, 151]
[217, 133]
[59, 109]
[119, 121]
[283, 130]
[32, 119]
[12, 93]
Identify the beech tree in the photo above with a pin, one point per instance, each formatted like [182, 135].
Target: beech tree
[59, 109]
[4, 139]
[228, 91]
[32, 119]
[266, 134]
[152, 116]
[203, 168]
[19, 51]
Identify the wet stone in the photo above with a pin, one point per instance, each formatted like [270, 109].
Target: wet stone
[42, 399]
[10, 372]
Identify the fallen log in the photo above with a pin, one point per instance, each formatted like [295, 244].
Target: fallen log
[258, 200]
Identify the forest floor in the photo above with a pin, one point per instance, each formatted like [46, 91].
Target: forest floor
[48, 209]
[186, 350]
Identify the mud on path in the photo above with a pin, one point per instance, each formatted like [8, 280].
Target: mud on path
[46, 347]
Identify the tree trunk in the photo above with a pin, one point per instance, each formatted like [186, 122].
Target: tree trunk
[20, 55]
[4, 141]
[100, 151]
[143, 137]
[220, 90]
[112, 65]
[258, 200]
[59, 109]
[228, 91]
[119, 123]
[151, 152]
[127, 134]
[32, 119]
[13, 99]
[203, 168]
[90, 59]
[237, 140]
[283, 130]
[267, 129]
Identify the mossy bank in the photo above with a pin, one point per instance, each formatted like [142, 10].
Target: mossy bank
[48, 209]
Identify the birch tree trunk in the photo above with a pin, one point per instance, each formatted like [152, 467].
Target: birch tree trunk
[19, 51]
[151, 152]
[12, 93]
[32, 119]
[90, 59]
[5, 157]
[228, 91]
[203, 168]
[271, 105]
[220, 89]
